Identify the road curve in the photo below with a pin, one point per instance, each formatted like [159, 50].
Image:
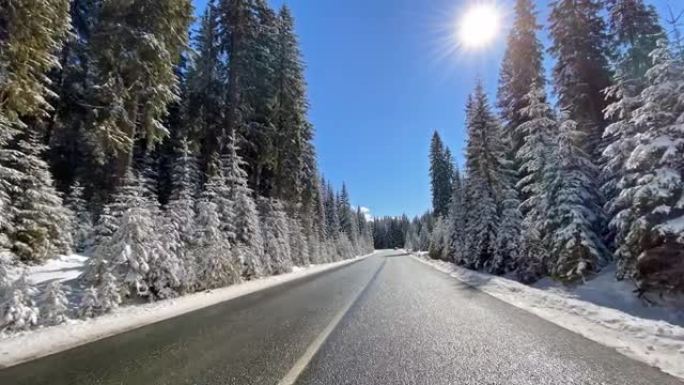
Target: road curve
[400, 322]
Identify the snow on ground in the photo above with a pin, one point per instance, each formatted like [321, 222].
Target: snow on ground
[655, 342]
[41, 342]
[63, 268]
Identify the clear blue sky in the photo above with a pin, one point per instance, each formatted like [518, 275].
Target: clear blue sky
[383, 75]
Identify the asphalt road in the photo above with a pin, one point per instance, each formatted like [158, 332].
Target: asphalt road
[400, 322]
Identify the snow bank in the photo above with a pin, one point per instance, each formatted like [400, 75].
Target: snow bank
[42, 342]
[655, 342]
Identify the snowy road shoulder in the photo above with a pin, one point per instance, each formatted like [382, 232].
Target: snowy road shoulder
[657, 343]
[38, 343]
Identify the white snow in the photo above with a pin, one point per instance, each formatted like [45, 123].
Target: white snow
[27, 346]
[63, 268]
[588, 312]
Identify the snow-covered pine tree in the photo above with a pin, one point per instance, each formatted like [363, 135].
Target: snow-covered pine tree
[332, 217]
[5, 272]
[483, 156]
[216, 262]
[108, 293]
[439, 240]
[298, 243]
[81, 223]
[18, 311]
[89, 306]
[522, 67]
[41, 223]
[539, 133]
[440, 175]
[650, 207]
[581, 71]
[245, 220]
[8, 180]
[347, 223]
[275, 234]
[635, 30]
[574, 214]
[456, 221]
[180, 214]
[33, 31]
[54, 304]
[134, 246]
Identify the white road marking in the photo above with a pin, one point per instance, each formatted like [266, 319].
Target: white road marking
[303, 361]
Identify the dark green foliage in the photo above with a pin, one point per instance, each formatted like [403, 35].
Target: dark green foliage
[441, 172]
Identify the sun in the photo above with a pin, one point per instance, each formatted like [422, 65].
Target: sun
[479, 25]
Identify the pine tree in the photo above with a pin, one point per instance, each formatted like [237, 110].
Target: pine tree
[108, 293]
[456, 221]
[134, 49]
[484, 154]
[347, 223]
[635, 30]
[216, 262]
[206, 82]
[535, 155]
[276, 236]
[575, 215]
[581, 70]
[508, 233]
[81, 223]
[332, 217]
[180, 215]
[71, 152]
[245, 218]
[131, 250]
[522, 67]
[31, 32]
[439, 240]
[649, 209]
[40, 222]
[298, 243]
[18, 311]
[440, 175]
[90, 304]
[54, 304]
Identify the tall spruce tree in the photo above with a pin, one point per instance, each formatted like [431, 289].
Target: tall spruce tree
[581, 73]
[483, 155]
[293, 131]
[635, 31]
[134, 48]
[205, 100]
[245, 220]
[522, 67]
[457, 221]
[575, 215]
[534, 157]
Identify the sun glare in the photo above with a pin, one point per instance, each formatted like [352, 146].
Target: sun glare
[479, 25]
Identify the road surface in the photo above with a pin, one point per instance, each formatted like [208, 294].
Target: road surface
[387, 319]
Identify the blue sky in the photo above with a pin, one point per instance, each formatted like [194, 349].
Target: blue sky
[383, 75]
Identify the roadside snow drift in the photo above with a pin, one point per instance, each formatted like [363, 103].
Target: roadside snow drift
[657, 343]
[38, 343]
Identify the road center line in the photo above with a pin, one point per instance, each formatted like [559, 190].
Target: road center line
[303, 361]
